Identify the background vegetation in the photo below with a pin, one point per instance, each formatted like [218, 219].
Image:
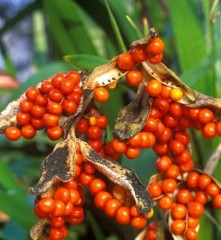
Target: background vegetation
[193, 51]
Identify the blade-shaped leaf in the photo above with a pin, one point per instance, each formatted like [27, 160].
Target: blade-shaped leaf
[85, 61]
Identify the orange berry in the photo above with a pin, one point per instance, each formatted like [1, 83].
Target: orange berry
[28, 131]
[173, 171]
[101, 95]
[62, 194]
[138, 222]
[184, 196]
[195, 209]
[132, 153]
[155, 190]
[155, 59]
[123, 215]
[155, 46]
[201, 197]
[176, 147]
[205, 115]
[134, 211]
[59, 209]
[163, 163]
[192, 179]
[192, 222]
[176, 94]
[119, 146]
[32, 93]
[101, 199]
[178, 211]
[13, 133]
[177, 226]
[191, 234]
[111, 207]
[139, 53]
[165, 203]
[204, 181]
[212, 189]
[125, 61]
[154, 88]
[96, 185]
[217, 201]
[54, 133]
[168, 185]
[46, 205]
[134, 77]
[209, 130]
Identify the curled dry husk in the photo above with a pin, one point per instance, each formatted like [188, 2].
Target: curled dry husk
[104, 75]
[58, 166]
[40, 230]
[191, 97]
[131, 119]
[125, 177]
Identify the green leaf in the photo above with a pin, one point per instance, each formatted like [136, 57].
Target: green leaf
[193, 75]
[57, 29]
[7, 179]
[97, 232]
[120, 9]
[188, 33]
[69, 31]
[144, 165]
[134, 27]
[17, 208]
[85, 61]
[115, 28]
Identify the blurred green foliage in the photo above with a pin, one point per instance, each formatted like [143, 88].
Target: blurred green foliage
[84, 30]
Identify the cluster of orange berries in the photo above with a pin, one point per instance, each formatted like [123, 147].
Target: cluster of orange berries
[42, 106]
[184, 199]
[64, 206]
[152, 51]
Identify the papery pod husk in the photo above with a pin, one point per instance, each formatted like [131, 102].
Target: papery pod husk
[58, 166]
[156, 178]
[125, 177]
[104, 75]
[122, 194]
[152, 34]
[163, 74]
[131, 119]
[191, 98]
[40, 230]
[8, 115]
